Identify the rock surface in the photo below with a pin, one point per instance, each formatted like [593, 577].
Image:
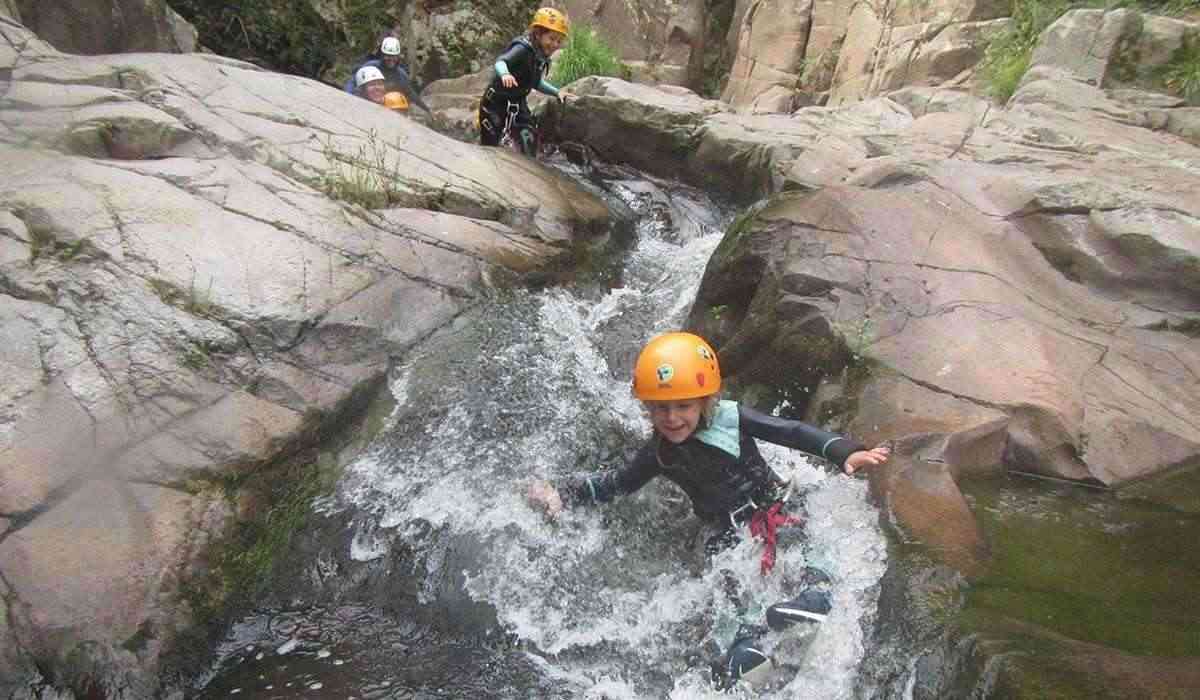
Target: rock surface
[1017, 286]
[108, 26]
[182, 302]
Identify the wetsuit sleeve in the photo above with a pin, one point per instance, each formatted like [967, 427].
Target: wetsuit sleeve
[603, 487]
[513, 53]
[350, 85]
[798, 436]
[547, 88]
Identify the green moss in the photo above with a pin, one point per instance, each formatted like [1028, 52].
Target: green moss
[243, 564]
[743, 224]
[1089, 567]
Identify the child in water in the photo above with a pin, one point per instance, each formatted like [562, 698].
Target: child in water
[519, 70]
[707, 447]
[704, 445]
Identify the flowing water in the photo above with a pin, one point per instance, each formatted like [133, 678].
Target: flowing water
[436, 579]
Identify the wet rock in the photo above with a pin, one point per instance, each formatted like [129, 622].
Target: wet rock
[1032, 263]
[182, 302]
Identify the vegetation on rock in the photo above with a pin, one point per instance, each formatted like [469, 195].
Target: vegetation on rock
[287, 36]
[1009, 52]
[1182, 74]
[586, 53]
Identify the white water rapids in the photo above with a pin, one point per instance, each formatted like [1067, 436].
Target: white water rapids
[604, 602]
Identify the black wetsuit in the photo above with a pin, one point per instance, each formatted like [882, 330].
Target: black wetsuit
[724, 489]
[529, 66]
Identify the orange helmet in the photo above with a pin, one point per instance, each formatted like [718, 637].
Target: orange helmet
[396, 101]
[552, 19]
[676, 366]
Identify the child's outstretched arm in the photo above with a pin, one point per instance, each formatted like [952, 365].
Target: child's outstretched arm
[597, 488]
[848, 454]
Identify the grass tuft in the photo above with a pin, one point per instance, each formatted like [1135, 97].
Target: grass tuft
[371, 177]
[1008, 55]
[1181, 75]
[584, 54]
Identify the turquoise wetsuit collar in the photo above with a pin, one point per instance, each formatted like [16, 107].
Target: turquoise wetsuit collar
[724, 432]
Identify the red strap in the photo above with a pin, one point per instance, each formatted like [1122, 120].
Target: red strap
[763, 525]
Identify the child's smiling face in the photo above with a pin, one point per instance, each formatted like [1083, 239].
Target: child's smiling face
[550, 41]
[675, 420]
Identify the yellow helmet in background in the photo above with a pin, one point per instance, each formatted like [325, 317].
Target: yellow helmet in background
[396, 101]
[676, 366]
[552, 19]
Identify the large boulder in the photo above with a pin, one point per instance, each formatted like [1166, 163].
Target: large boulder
[796, 52]
[1001, 289]
[1118, 48]
[183, 304]
[922, 44]
[770, 58]
[108, 26]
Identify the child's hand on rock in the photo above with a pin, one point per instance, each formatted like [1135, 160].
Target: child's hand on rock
[867, 458]
[543, 495]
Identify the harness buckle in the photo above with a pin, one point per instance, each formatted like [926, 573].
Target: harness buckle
[733, 514]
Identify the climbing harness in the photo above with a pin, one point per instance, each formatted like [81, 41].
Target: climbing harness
[506, 134]
[764, 525]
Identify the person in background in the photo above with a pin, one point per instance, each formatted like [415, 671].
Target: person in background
[521, 69]
[394, 75]
[369, 84]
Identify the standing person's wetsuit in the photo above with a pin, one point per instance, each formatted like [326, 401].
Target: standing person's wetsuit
[521, 69]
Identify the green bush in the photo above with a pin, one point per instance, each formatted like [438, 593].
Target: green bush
[585, 54]
[1008, 54]
[1182, 74]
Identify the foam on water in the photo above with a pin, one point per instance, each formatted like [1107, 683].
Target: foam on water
[601, 595]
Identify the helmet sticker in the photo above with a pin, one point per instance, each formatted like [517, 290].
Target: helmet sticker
[700, 379]
[665, 373]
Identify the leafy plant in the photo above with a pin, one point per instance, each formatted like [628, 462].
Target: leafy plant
[585, 53]
[1181, 75]
[1008, 54]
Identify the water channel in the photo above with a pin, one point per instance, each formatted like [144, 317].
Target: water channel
[431, 577]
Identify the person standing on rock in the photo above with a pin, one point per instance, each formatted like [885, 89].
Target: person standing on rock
[521, 69]
[707, 447]
[394, 75]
